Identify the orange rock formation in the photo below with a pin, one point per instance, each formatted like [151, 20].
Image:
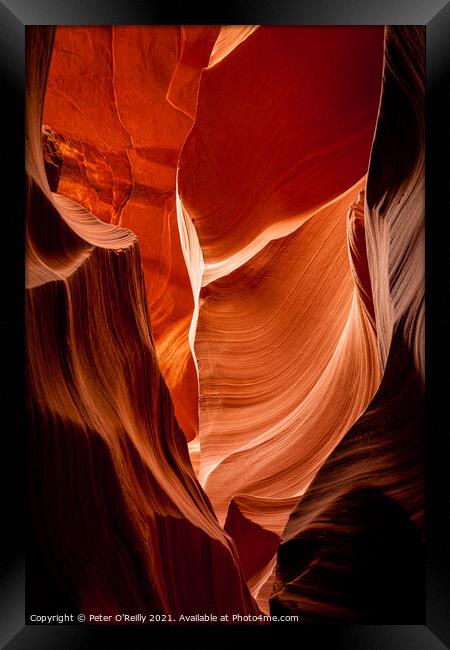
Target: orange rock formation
[223, 248]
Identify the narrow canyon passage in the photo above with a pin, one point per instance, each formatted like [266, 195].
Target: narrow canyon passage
[220, 258]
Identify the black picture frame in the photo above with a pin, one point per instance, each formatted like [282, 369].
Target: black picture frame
[14, 16]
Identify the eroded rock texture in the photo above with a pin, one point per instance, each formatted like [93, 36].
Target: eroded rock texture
[353, 546]
[117, 507]
[225, 316]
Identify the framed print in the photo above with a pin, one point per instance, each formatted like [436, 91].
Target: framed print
[232, 415]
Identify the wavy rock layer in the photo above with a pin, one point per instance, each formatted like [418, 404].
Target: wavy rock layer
[353, 547]
[120, 102]
[285, 341]
[118, 511]
[122, 166]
